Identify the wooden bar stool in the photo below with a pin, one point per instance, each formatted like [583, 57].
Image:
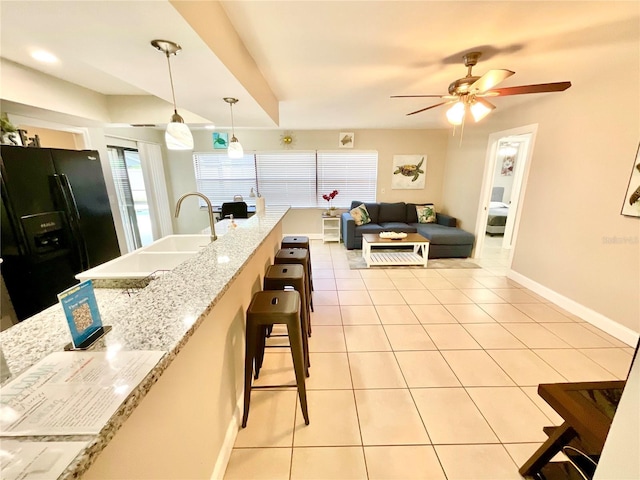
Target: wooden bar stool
[279, 277]
[269, 308]
[300, 256]
[299, 241]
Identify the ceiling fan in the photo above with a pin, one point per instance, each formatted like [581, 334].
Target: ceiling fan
[468, 93]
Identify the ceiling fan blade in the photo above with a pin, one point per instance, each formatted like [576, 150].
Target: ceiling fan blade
[489, 80]
[522, 89]
[419, 96]
[428, 108]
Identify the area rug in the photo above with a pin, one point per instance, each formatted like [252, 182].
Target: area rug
[356, 262]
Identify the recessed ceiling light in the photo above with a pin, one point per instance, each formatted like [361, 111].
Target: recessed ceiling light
[44, 57]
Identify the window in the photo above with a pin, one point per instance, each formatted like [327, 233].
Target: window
[287, 178]
[296, 178]
[353, 174]
[221, 178]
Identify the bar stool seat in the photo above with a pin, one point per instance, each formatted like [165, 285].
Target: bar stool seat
[269, 308]
[300, 256]
[299, 241]
[279, 277]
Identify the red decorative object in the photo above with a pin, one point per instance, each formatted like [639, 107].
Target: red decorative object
[330, 197]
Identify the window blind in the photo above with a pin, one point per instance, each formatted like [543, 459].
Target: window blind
[287, 178]
[353, 174]
[220, 178]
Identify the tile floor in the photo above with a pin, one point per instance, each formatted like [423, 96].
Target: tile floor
[419, 374]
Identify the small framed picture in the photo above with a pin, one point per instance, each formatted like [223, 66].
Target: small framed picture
[220, 140]
[346, 140]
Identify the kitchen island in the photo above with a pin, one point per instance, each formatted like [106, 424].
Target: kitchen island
[181, 420]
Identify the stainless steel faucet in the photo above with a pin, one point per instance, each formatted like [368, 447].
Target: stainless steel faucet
[210, 208]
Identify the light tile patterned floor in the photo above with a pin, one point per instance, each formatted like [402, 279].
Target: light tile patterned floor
[419, 374]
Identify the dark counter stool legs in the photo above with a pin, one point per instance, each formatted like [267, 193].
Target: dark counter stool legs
[278, 277]
[269, 308]
[299, 241]
[299, 256]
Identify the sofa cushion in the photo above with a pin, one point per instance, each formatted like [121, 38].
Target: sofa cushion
[441, 235]
[360, 215]
[369, 228]
[397, 227]
[392, 212]
[412, 216]
[372, 208]
[426, 213]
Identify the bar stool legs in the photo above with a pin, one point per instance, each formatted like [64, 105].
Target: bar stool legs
[281, 276]
[297, 256]
[269, 308]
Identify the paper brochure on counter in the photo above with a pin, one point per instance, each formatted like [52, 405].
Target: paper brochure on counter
[37, 460]
[72, 393]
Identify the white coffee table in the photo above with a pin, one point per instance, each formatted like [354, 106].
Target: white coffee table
[419, 256]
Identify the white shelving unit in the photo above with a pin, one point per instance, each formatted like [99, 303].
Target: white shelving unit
[330, 229]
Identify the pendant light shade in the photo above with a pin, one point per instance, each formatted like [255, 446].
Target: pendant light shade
[235, 150]
[177, 136]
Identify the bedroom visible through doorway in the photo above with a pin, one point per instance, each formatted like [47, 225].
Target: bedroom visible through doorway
[501, 196]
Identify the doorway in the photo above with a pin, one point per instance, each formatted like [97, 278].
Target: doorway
[132, 195]
[506, 170]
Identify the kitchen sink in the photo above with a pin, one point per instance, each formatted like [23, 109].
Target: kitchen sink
[162, 255]
[179, 243]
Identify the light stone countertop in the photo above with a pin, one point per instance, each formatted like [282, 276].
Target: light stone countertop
[161, 317]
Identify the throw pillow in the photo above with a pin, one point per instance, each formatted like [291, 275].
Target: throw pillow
[360, 215]
[426, 213]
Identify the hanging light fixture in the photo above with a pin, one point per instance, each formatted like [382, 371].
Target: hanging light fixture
[177, 136]
[235, 149]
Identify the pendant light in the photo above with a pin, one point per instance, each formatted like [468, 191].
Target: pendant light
[235, 149]
[177, 136]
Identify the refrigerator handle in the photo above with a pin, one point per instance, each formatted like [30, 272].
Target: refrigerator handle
[21, 238]
[74, 218]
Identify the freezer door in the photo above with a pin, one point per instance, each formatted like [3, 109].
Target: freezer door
[39, 255]
[82, 175]
[26, 173]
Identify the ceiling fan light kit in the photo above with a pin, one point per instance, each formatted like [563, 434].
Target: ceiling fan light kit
[235, 149]
[456, 113]
[480, 108]
[466, 94]
[177, 135]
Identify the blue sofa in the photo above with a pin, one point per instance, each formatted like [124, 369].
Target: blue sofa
[445, 240]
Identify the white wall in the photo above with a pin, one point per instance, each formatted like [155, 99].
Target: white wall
[572, 238]
[432, 143]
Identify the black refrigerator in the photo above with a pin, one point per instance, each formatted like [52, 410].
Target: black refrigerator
[56, 222]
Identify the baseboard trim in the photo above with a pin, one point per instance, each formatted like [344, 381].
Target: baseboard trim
[613, 328]
[224, 454]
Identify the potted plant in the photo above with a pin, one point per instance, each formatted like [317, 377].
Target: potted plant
[329, 198]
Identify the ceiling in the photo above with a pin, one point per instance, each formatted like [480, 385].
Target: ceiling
[322, 64]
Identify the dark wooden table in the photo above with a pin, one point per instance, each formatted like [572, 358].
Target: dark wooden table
[587, 409]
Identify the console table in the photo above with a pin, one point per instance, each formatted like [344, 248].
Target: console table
[587, 409]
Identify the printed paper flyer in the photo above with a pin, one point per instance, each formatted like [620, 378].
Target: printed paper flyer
[71, 393]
